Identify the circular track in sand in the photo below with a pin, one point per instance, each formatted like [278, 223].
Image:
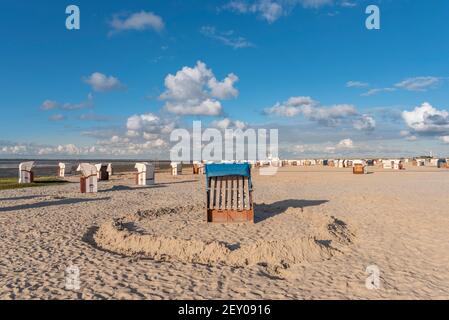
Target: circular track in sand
[181, 234]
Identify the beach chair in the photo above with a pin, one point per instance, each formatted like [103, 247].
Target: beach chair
[442, 163]
[387, 164]
[98, 166]
[109, 169]
[145, 174]
[102, 172]
[340, 164]
[276, 162]
[89, 178]
[176, 168]
[196, 167]
[61, 170]
[26, 174]
[358, 167]
[229, 193]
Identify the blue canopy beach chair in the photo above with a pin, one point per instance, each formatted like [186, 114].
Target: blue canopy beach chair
[229, 193]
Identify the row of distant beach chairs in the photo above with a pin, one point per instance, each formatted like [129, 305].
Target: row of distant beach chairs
[145, 171]
[144, 174]
[228, 186]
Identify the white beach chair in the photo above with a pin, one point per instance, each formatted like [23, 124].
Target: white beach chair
[61, 170]
[387, 164]
[98, 166]
[102, 172]
[89, 178]
[341, 163]
[26, 174]
[176, 168]
[144, 174]
[109, 169]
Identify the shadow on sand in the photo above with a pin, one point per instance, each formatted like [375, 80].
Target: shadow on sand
[50, 204]
[129, 188]
[22, 198]
[136, 188]
[265, 211]
[88, 237]
[179, 182]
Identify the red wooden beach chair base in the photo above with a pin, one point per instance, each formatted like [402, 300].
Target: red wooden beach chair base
[230, 216]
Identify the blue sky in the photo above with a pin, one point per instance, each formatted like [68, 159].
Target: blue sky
[307, 67]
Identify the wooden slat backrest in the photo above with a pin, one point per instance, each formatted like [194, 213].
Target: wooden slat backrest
[229, 193]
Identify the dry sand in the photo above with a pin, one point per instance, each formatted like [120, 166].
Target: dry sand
[316, 231]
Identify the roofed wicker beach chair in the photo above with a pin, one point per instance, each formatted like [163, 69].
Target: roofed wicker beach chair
[176, 168]
[359, 167]
[144, 174]
[102, 172]
[26, 174]
[196, 167]
[442, 163]
[61, 170]
[229, 193]
[88, 179]
[109, 169]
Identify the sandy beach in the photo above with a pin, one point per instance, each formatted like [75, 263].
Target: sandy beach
[316, 231]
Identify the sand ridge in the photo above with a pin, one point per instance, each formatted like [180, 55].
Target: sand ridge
[127, 236]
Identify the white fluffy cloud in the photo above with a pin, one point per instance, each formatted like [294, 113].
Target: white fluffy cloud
[208, 107]
[343, 146]
[427, 120]
[311, 109]
[10, 149]
[292, 107]
[25, 149]
[143, 121]
[332, 115]
[115, 146]
[137, 21]
[224, 89]
[227, 123]
[102, 83]
[365, 123]
[196, 91]
[148, 128]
